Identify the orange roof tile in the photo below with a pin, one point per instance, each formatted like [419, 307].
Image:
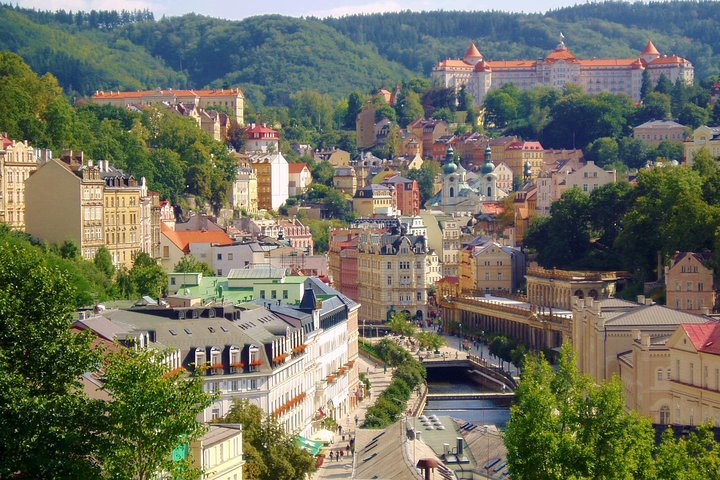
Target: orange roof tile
[650, 49]
[454, 64]
[667, 60]
[170, 91]
[561, 54]
[182, 240]
[482, 66]
[608, 62]
[296, 167]
[500, 64]
[472, 52]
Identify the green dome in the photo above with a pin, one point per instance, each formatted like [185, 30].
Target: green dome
[487, 167]
[449, 168]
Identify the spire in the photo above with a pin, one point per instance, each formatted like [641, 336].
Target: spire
[650, 49]
[488, 166]
[472, 55]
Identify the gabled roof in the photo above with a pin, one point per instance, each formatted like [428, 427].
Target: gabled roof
[672, 59]
[182, 240]
[659, 315]
[297, 167]
[705, 337]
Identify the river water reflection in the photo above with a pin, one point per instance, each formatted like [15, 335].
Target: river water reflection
[447, 380]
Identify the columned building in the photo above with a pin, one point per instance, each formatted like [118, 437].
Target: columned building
[555, 288]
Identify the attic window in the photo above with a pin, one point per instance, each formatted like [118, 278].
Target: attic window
[188, 331]
[173, 332]
[211, 329]
[224, 329]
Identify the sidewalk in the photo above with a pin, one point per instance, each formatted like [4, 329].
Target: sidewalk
[335, 469]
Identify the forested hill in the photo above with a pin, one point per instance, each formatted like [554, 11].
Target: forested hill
[272, 57]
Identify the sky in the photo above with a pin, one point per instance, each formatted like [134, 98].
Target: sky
[236, 10]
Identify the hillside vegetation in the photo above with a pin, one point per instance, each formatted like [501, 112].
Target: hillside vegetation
[271, 57]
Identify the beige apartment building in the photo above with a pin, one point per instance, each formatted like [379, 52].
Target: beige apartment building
[374, 198]
[64, 201]
[17, 162]
[675, 379]
[230, 98]
[345, 180]
[702, 137]
[603, 330]
[656, 131]
[93, 205]
[586, 177]
[645, 374]
[518, 154]
[491, 268]
[244, 190]
[689, 283]
[391, 275]
[123, 223]
[219, 453]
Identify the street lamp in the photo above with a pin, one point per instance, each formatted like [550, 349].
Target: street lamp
[460, 340]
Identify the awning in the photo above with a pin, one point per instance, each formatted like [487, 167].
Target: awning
[310, 446]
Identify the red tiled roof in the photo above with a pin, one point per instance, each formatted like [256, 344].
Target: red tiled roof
[451, 280]
[650, 49]
[261, 129]
[501, 64]
[561, 53]
[667, 60]
[296, 167]
[704, 336]
[472, 52]
[182, 240]
[6, 142]
[179, 93]
[525, 146]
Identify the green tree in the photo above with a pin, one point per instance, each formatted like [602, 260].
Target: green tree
[48, 426]
[270, 452]
[69, 250]
[430, 340]
[693, 458]
[189, 264]
[655, 106]
[425, 177]
[709, 171]
[693, 116]
[312, 109]
[565, 236]
[356, 101]
[147, 277]
[664, 85]
[603, 151]
[715, 114]
[646, 87]
[669, 150]
[501, 108]
[562, 425]
[103, 261]
[409, 108]
[152, 412]
[400, 325]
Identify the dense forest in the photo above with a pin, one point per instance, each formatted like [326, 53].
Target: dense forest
[273, 56]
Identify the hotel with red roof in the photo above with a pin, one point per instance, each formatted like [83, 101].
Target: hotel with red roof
[613, 75]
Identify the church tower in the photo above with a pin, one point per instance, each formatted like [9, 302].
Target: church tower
[649, 53]
[489, 179]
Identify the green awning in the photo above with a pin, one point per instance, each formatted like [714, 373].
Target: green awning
[308, 445]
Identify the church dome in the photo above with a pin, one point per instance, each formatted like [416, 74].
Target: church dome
[449, 168]
[488, 166]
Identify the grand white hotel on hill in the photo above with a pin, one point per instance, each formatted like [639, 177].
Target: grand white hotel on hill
[614, 75]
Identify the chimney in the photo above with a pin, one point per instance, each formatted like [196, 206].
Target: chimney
[649, 301]
[641, 299]
[459, 444]
[636, 334]
[645, 340]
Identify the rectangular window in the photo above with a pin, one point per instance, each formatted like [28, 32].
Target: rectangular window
[285, 294]
[219, 256]
[389, 280]
[273, 294]
[262, 293]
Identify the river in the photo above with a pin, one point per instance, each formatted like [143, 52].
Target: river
[448, 380]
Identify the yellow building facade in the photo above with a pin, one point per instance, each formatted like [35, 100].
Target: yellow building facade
[391, 275]
[689, 283]
[17, 162]
[122, 198]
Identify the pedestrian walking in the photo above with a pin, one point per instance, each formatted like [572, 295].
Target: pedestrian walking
[356, 420]
[331, 455]
[343, 437]
[339, 429]
[342, 454]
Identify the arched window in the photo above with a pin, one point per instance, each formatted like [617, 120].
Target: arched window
[452, 192]
[664, 415]
[489, 192]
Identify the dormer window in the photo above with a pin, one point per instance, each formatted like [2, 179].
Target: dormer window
[254, 357]
[216, 360]
[200, 358]
[236, 363]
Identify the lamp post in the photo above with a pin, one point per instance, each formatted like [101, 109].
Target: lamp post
[460, 339]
